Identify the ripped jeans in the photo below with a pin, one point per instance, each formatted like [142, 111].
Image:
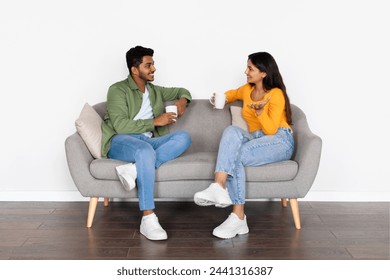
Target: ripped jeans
[239, 148]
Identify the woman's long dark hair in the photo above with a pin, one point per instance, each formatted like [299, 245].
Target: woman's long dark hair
[266, 63]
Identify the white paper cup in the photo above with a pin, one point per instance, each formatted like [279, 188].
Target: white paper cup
[171, 109]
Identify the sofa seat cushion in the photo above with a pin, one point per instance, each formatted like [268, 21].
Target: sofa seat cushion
[104, 169]
[273, 172]
[199, 166]
[192, 166]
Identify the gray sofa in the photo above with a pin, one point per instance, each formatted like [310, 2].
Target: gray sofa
[194, 170]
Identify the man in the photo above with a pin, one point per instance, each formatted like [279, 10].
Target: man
[135, 130]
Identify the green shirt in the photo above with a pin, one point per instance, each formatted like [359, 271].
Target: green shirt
[124, 101]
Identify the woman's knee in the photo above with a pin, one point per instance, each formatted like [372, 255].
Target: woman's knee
[232, 132]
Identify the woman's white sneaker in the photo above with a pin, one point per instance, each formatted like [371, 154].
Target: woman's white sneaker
[213, 195]
[151, 228]
[232, 226]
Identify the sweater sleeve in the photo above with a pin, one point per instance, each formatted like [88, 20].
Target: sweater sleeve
[273, 112]
[234, 94]
[119, 113]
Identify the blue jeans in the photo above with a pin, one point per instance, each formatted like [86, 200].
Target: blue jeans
[148, 154]
[239, 148]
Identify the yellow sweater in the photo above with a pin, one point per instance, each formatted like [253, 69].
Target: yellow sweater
[273, 115]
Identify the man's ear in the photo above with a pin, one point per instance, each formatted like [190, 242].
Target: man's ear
[134, 70]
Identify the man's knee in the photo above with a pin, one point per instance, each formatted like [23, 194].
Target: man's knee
[145, 151]
[183, 137]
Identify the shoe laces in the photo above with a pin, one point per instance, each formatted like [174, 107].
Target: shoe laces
[152, 223]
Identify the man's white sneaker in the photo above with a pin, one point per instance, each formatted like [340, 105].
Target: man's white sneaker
[213, 195]
[127, 174]
[232, 226]
[151, 228]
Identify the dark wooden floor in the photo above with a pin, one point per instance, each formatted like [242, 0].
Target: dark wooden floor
[330, 231]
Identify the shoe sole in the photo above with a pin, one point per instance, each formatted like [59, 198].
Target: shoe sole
[202, 201]
[125, 185]
[246, 231]
[222, 205]
[154, 239]
[205, 202]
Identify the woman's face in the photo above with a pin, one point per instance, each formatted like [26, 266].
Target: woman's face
[253, 74]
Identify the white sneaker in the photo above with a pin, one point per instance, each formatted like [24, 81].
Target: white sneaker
[232, 226]
[213, 195]
[127, 174]
[151, 228]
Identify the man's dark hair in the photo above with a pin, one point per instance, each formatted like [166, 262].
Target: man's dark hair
[134, 56]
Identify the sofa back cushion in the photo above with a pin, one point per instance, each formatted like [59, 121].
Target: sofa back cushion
[206, 125]
[201, 121]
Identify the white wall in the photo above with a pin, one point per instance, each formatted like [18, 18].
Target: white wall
[57, 55]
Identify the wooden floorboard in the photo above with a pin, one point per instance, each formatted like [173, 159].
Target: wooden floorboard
[330, 231]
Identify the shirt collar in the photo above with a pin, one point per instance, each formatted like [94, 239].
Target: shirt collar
[132, 84]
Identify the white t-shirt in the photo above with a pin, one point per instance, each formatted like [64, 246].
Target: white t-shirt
[146, 112]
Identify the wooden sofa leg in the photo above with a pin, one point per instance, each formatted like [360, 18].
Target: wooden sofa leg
[284, 202]
[106, 201]
[295, 212]
[92, 209]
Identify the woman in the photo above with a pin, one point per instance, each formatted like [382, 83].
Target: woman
[266, 109]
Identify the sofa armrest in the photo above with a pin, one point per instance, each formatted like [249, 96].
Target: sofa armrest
[307, 154]
[79, 159]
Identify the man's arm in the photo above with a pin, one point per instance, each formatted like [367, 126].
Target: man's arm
[181, 95]
[181, 106]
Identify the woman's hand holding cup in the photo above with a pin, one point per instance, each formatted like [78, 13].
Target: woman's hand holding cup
[218, 100]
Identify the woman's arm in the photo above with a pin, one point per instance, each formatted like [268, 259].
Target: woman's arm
[272, 113]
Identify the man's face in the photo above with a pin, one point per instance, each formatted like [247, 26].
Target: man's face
[145, 71]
